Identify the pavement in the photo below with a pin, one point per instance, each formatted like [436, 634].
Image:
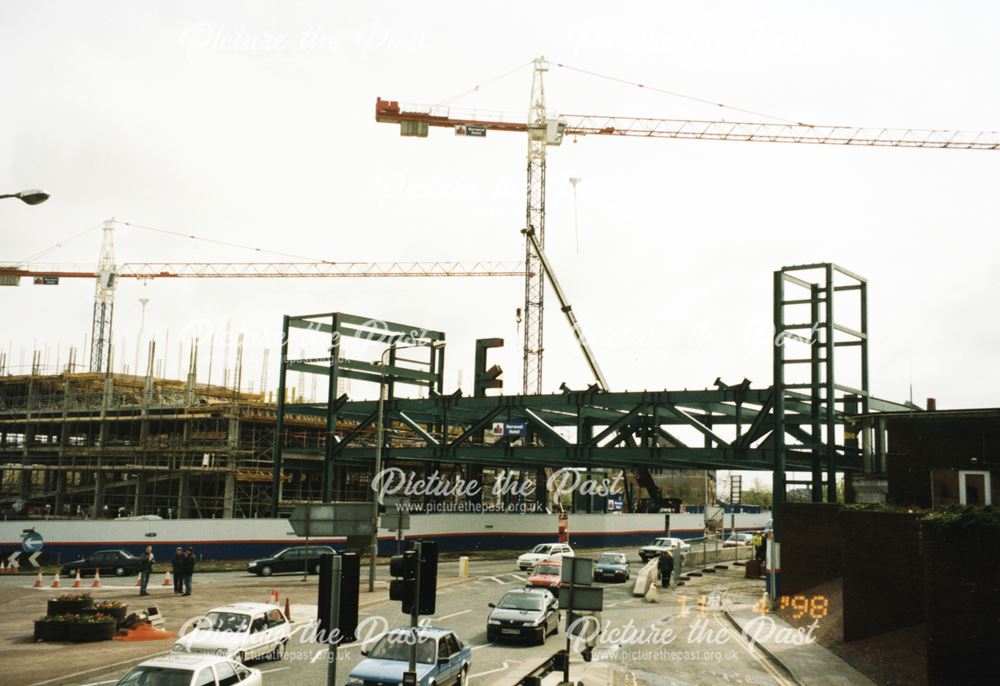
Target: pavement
[793, 649]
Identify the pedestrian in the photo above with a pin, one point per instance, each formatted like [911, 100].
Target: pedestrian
[177, 566]
[758, 546]
[188, 569]
[666, 567]
[145, 569]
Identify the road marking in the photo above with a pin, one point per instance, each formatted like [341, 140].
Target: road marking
[492, 671]
[319, 653]
[454, 614]
[493, 578]
[265, 671]
[518, 577]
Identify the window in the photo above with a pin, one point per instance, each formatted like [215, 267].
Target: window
[259, 624]
[449, 646]
[226, 674]
[974, 488]
[275, 618]
[241, 671]
[205, 678]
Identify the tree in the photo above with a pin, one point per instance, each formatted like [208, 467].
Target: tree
[757, 494]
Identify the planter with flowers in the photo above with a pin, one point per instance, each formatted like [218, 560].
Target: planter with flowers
[70, 603]
[52, 628]
[113, 608]
[92, 627]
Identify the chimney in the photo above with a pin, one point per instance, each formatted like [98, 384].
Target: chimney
[931, 405]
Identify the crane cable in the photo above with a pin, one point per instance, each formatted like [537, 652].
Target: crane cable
[677, 95]
[477, 87]
[55, 246]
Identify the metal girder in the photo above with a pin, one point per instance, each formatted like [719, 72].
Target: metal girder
[701, 428]
[545, 429]
[419, 430]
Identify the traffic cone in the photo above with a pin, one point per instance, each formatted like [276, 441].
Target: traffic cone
[78, 581]
[138, 579]
[55, 581]
[167, 581]
[3, 566]
[275, 596]
[97, 579]
[288, 610]
[38, 581]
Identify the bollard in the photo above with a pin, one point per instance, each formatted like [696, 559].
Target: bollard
[463, 566]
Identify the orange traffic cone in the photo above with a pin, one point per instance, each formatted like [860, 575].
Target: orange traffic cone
[167, 580]
[275, 595]
[38, 581]
[288, 611]
[97, 579]
[78, 581]
[3, 566]
[55, 581]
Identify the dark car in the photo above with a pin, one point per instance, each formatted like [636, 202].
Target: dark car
[611, 567]
[530, 613]
[301, 558]
[117, 562]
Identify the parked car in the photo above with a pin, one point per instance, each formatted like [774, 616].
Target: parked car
[648, 552]
[300, 558]
[242, 631]
[117, 562]
[191, 670]
[738, 540]
[611, 567]
[442, 659]
[543, 551]
[529, 613]
[546, 575]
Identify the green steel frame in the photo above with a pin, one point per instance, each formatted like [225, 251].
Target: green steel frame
[789, 426]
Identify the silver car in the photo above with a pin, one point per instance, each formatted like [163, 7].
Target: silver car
[191, 670]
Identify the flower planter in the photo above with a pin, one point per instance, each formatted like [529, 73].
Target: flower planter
[51, 631]
[117, 612]
[69, 607]
[88, 632]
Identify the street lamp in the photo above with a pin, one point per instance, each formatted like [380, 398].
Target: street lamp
[32, 197]
[434, 345]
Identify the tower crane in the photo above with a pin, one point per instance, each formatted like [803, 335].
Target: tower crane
[108, 273]
[544, 129]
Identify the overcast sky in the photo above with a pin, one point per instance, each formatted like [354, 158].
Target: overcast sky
[254, 124]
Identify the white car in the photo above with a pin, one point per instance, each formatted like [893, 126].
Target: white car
[242, 631]
[654, 549]
[542, 552]
[191, 670]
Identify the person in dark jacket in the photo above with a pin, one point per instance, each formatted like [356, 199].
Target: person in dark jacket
[145, 569]
[188, 570]
[666, 567]
[177, 567]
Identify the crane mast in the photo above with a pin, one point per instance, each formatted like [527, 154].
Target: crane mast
[534, 280]
[104, 302]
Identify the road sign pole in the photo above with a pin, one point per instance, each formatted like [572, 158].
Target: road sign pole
[331, 667]
[569, 614]
[415, 610]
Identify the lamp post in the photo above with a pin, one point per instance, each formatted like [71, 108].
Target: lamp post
[435, 345]
[32, 197]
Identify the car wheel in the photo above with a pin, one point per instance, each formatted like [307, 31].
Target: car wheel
[119, 571]
[463, 676]
[315, 569]
[278, 653]
[266, 571]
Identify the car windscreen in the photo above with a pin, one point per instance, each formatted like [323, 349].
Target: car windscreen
[396, 646]
[546, 569]
[541, 548]
[520, 601]
[225, 621]
[611, 559]
[156, 676]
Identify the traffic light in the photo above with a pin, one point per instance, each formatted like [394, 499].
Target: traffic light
[347, 602]
[428, 577]
[403, 569]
